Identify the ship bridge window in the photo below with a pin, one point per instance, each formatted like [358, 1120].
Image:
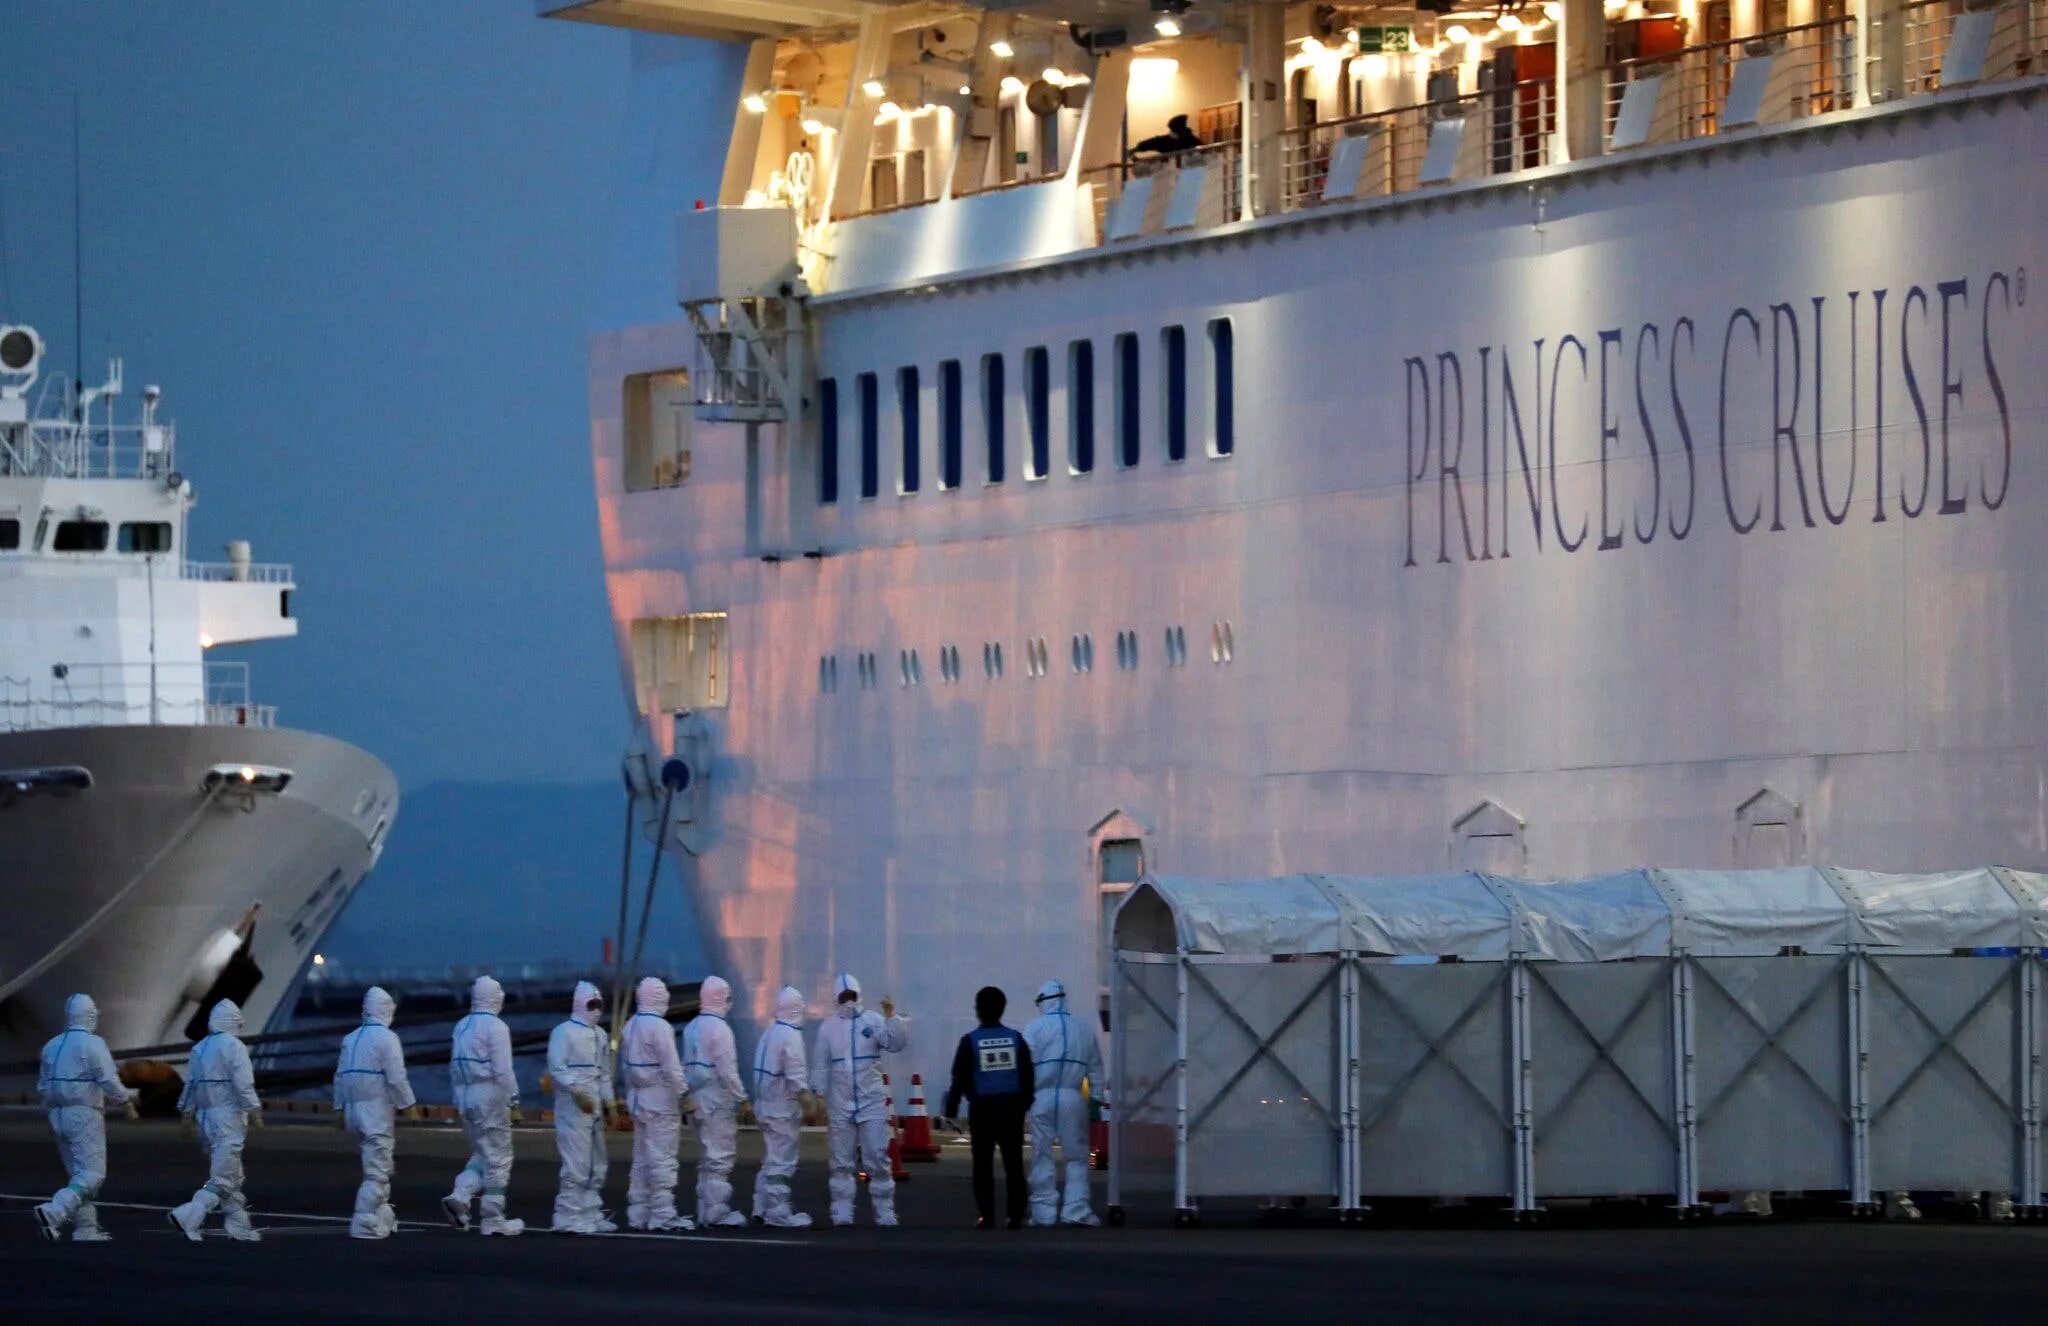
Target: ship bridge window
[80, 536]
[10, 534]
[870, 435]
[657, 417]
[949, 424]
[145, 536]
[1173, 390]
[828, 441]
[1038, 411]
[1126, 399]
[1223, 382]
[1080, 407]
[992, 407]
[910, 409]
[680, 663]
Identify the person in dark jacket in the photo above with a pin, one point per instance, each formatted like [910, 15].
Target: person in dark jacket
[1178, 138]
[992, 1070]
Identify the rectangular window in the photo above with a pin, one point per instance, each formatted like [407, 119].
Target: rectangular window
[870, 435]
[1223, 406]
[10, 534]
[828, 440]
[1038, 411]
[145, 536]
[1173, 390]
[910, 408]
[992, 416]
[1081, 406]
[949, 423]
[658, 409]
[81, 536]
[1127, 399]
[681, 663]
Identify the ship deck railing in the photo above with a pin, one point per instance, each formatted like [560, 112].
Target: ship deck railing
[1517, 124]
[62, 449]
[206, 694]
[2018, 45]
[114, 562]
[235, 573]
[1813, 72]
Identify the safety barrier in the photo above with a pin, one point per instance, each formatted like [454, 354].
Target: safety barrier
[1653, 1033]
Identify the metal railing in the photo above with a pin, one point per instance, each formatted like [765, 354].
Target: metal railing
[1517, 125]
[131, 695]
[2018, 44]
[1817, 74]
[1928, 23]
[231, 573]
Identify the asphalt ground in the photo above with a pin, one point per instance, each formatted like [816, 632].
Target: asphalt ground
[302, 1180]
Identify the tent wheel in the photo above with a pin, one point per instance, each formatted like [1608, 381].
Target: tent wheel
[1115, 1216]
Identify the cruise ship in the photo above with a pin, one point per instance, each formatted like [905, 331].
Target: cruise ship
[1235, 438]
[164, 843]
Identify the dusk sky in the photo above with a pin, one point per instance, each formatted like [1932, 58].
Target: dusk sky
[358, 245]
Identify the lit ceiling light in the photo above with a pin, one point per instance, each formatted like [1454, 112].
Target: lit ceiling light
[1002, 50]
[814, 127]
[1311, 47]
[888, 110]
[1510, 22]
[966, 91]
[1054, 77]
[1553, 11]
[1616, 6]
[1075, 80]
[754, 102]
[1167, 27]
[205, 640]
[873, 87]
[1375, 66]
[1458, 32]
[319, 960]
[1013, 84]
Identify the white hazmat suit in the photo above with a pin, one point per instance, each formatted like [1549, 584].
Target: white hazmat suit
[486, 1093]
[780, 1079]
[220, 1094]
[654, 1093]
[711, 1061]
[77, 1080]
[846, 1069]
[1063, 1052]
[579, 1062]
[369, 1089]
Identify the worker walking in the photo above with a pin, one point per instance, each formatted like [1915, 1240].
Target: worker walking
[76, 1082]
[780, 1098]
[487, 1102]
[579, 1063]
[1064, 1053]
[992, 1070]
[847, 1070]
[655, 1089]
[220, 1100]
[369, 1087]
[711, 1063]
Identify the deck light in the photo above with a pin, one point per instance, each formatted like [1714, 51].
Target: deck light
[1553, 10]
[247, 778]
[873, 87]
[1167, 27]
[1458, 32]
[1054, 77]
[888, 110]
[754, 102]
[1311, 47]
[814, 127]
[1013, 84]
[1002, 50]
[1510, 22]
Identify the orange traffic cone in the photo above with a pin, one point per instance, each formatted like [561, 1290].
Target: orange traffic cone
[917, 1126]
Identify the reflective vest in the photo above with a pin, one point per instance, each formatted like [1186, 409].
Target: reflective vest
[996, 1051]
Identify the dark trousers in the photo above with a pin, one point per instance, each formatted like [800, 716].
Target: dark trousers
[998, 1122]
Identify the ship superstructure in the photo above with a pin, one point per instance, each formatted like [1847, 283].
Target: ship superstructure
[163, 842]
[1539, 438]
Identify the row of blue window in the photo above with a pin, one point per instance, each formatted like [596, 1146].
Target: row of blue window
[1128, 414]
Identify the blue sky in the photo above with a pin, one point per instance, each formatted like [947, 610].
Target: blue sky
[358, 246]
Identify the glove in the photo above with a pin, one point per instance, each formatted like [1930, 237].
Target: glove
[808, 1100]
[187, 1125]
[252, 1118]
[128, 1108]
[413, 1112]
[584, 1101]
[888, 1007]
[611, 1108]
[340, 1120]
[513, 1115]
[689, 1106]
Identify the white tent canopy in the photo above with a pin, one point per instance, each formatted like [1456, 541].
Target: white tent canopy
[1634, 913]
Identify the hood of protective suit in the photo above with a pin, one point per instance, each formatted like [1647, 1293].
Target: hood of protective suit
[651, 996]
[715, 995]
[225, 1019]
[789, 1006]
[378, 1006]
[1052, 997]
[586, 1005]
[846, 984]
[81, 1013]
[486, 996]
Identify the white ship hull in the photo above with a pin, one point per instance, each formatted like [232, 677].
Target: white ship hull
[297, 855]
[1782, 635]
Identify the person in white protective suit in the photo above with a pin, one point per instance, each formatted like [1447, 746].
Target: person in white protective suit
[847, 1070]
[655, 1089]
[711, 1061]
[1063, 1052]
[780, 1098]
[220, 1098]
[579, 1062]
[76, 1082]
[370, 1087]
[487, 1101]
